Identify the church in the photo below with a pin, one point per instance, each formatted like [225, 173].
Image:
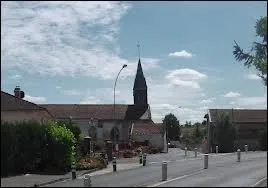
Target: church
[118, 123]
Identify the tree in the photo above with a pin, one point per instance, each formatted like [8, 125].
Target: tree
[197, 124]
[258, 53]
[173, 127]
[188, 124]
[225, 133]
[197, 134]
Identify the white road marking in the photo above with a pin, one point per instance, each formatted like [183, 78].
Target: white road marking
[256, 184]
[177, 178]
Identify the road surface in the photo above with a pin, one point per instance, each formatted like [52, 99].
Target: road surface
[219, 165]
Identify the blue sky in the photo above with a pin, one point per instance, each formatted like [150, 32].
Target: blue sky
[71, 52]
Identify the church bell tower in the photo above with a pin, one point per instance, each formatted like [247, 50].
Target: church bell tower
[140, 88]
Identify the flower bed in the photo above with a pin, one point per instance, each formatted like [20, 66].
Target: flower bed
[87, 163]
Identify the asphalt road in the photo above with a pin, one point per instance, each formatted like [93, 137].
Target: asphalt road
[234, 174]
[177, 167]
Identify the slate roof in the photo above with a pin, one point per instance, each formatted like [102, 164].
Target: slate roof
[241, 115]
[140, 82]
[99, 111]
[147, 127]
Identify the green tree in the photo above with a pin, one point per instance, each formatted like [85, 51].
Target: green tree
[173, 127]
[188, 124]
[258, 53]
[225, 133]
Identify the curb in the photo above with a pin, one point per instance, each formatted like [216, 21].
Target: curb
[260, 182]
[61, 179]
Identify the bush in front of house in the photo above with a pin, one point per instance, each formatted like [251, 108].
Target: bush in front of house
[73, 128]
[60, 147]
[29, 146]
[21, 146]
[99, 145]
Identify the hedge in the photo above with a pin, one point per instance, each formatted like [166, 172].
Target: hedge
[29, 146]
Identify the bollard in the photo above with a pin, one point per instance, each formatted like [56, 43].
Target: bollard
[246, 148]
[164, 171]
[195, 152]
[205, 161]
[140, 155]
[114, 164]
[144, 159]
[217, 149]
[185, 150]
[238, 155]
[87, 180]
[106, 159]
[73, 171]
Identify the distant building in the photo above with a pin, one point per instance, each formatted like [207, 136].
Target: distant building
[14, 108]
[98, 121]
[246, 121]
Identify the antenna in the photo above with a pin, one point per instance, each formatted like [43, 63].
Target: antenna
[139, 53]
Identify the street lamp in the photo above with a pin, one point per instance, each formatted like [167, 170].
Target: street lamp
[114, 96]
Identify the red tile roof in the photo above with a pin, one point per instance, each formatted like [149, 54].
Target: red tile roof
[148, 127]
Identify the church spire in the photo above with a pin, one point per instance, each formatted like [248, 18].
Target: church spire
[140, 86]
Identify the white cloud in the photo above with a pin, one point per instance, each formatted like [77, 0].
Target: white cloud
[37, 100]
[90, 100]
[253, 77]
[71, 92]
[207, 101]
[58, 87]
[257, 102]
[182, 53]
[232, 94]
[16, 76]
[186, 77]
[65, 38]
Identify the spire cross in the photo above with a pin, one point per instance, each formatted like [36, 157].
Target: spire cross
[138, 45]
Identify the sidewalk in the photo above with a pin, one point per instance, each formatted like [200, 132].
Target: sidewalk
[29, 180]
[109, 169]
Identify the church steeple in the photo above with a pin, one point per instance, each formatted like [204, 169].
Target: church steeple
[140, 87]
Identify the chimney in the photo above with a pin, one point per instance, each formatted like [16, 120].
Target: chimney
[18, 93]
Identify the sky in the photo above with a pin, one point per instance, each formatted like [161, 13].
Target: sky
[70, 53]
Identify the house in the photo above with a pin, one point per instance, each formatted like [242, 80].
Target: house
[14, 108]
[246, 121]
[113, 122]
[148, 131]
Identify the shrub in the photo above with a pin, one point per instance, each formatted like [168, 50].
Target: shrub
[29, 146]
[99, 145]
[74, 129]
[21, 145]
[60, 148]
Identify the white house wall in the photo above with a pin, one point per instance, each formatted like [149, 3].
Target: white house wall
[156, 140]
[105, 131]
